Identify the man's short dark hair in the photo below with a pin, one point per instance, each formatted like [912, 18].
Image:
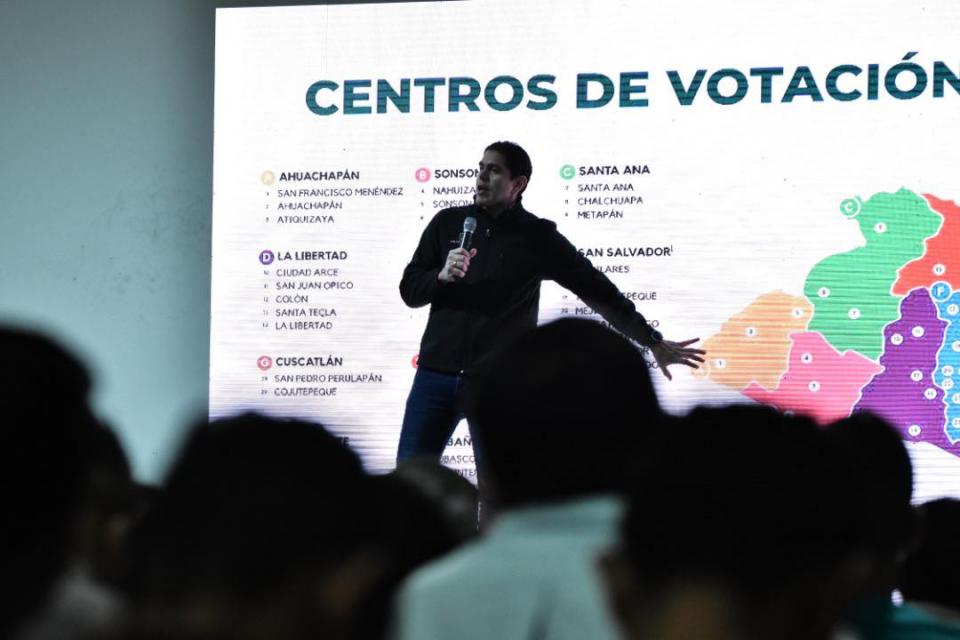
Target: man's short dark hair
[740, 495]
[560, 411]
[879, 472]
[251, 503]
[930, 573]
[518, 161]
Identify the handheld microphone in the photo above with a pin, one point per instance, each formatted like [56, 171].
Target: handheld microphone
[466, 236]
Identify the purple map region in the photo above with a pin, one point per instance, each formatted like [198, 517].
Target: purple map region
[904, 391]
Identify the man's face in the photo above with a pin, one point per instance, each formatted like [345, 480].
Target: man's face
[496, 189]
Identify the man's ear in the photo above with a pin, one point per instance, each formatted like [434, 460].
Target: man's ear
[519, 184]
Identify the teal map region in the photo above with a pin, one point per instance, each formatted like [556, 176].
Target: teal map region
[948, 359]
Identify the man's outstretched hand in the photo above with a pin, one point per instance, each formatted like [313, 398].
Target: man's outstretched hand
[668, 352]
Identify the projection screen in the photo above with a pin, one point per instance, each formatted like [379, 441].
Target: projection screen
[775, 178]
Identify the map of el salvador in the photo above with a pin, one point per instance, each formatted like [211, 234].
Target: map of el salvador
[877, 328]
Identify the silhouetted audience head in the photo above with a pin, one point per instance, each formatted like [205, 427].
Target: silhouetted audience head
[559, 412]
[271, 528]
[879, 475]
[46, 418]
[414, 529]
[255, 510]
[931, 574]
[41, 376]
[455, 496]
[733, 529]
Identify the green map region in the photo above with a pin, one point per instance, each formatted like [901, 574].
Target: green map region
[852, 292]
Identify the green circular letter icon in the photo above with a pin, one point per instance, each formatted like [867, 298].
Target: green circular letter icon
[568, 171]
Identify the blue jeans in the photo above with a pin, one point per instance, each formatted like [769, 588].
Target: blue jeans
[432, 413]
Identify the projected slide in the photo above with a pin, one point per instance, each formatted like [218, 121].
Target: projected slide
[779, 180]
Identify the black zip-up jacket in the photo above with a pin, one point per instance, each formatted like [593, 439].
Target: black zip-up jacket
[500, 295]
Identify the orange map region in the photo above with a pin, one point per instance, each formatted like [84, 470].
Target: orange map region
[820, 382]
[941, 260]
[753, 345]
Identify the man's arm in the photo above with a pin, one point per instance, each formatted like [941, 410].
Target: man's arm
[576, 273]
[419, 285]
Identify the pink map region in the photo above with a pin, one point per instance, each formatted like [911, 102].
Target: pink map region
[904, 392]
[820, 382]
